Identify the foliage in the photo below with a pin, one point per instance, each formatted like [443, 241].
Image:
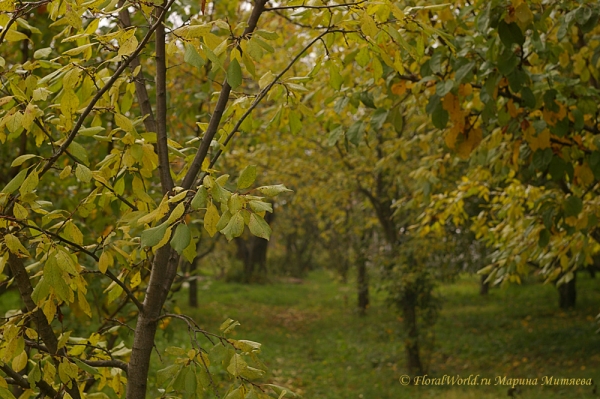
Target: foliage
[518, 96]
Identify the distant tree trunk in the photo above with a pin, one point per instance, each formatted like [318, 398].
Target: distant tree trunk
[193, 290]
[484, 288]
[567, 294]
[363, 285]
[253, 254]
[409, 313]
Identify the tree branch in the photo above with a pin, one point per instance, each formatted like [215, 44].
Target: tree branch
[164, 170]
[315, 7]
[124, 64]
[24, 383]
[140, 87]
[215, 120]
[94, 363]
[264, 92]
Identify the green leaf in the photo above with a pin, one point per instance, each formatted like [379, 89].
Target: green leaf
[192, 57]
[442, 88]
[181, 238]
[272, 191]
[507, 63]
[234, 74]
[367, 99]
[259, 227]
[528, 97]
[85, 367]
[30, 183]
[334, 136]
[573, 206]
[22, 159]
[237, 365]
[168, 372]
[91, 131]
[79, 152]
[83, 173]
[510, 34]
[223, 220]
[42, 53]
[228, 325]
[219, 193]
[151, 237]
[54, 275]
[260, 206]
[463, 71]
[199, 200]
[544, 238]
[235, 227]
[15, 183]
[247, 177]
[594, 162]
[335, 79]
[355, 132]
[440, 117]
[378, 118]
[295, 122]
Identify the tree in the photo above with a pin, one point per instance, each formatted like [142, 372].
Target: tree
[106, 187]
[522, 107]
[109, 183]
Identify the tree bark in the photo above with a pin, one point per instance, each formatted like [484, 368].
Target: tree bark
[164, 268]
[362, 281]
[193, 290]
[44, 328]
[567, 294]
[409, 313]
[484, 288]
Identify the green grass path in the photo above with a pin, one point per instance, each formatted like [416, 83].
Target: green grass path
[314, 342]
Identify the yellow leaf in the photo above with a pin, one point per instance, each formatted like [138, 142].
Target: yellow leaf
[164, 240]
[211, 218]
[106, 260]
[451, 136]
[19, 362]
[14, 245]
[19, 211]
[399, 88]
[83, 304]
[69, 103]
[49, 309]
[136, 279]
[177, 212]
[584, 174]
[14, 36]
[465, 90]
[516, 151]
[65, 172]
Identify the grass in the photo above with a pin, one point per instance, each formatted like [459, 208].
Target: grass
[314, 342]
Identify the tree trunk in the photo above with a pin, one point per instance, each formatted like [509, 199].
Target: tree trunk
[252, 251]
[484, 288]
[567, 294]
[164, 269]
[362, 285]
[193, 290]
[409, 313]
